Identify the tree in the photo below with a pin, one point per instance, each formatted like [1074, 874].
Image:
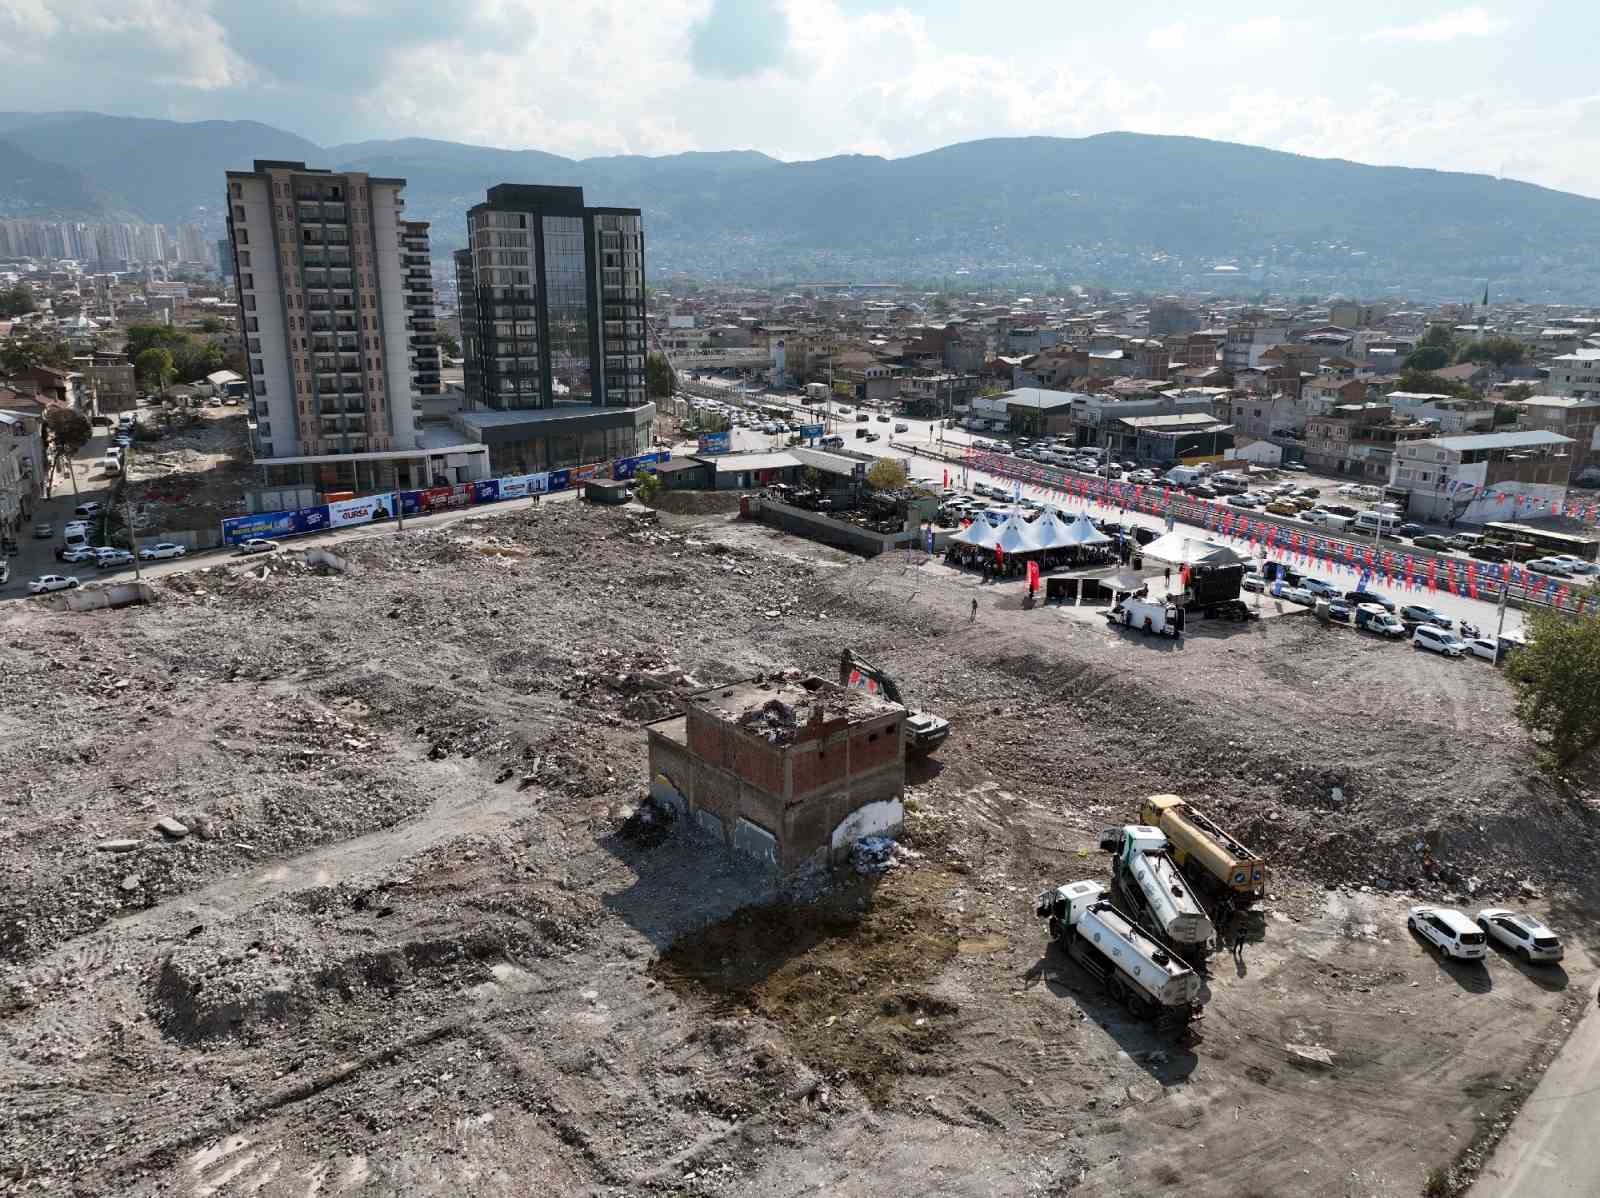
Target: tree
[154, 368]
[147, 336]
[646, 486]
[1517, 393]
[449, 346]
[1557, 680]
[886, 474]
[659, 380]
[193, 359]
[18, 356]
[1425, 383]
[67, 431]
[18, 301]
[212, 324]
[1428, 357]
[1502, 351]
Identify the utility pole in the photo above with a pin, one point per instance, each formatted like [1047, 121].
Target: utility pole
[127, 508]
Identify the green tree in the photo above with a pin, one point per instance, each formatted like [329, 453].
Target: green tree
[659, 380]
[646, 486]
[1426, 383]
[212, 324]
[67, 430]
[1439, 336]
[449, 346]
[154, 367]
[1557, 680]
[1428, 357]
[886, 474]
[1502, 351]
[194, 358]
[1517, 393]
[17, 356]
[146, 336]
[18, 301]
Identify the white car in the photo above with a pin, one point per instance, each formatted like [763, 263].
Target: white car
[110, 558]
[93, 508]
[257, 545]
[1253, 582]
[50, 582]
[1484, 647]
[80, 553]
[1297, 595]
[1522, 934]
[1451, 932]
[162, 550]
[1437, 640]
[1318, 587]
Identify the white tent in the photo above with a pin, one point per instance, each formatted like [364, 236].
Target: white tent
[979, 533]
[1081, 532]
[1017, 537]
[1050, 532]
[1183, 550]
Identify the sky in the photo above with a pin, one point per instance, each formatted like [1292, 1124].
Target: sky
[1506, 89]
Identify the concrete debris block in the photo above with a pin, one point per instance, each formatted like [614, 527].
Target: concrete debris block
[171, 828]
[1310, 1054]
[873, 856]
[131, 883]
[120, 845]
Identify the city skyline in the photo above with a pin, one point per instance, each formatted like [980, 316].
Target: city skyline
[1447, 86]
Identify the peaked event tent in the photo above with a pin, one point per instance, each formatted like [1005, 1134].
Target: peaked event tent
[979, 533]
[1081, 532]
[1017, 537]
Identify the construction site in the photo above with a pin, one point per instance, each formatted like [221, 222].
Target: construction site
[437, 868]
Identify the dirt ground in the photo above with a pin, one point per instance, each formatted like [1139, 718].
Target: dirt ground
[190, 478]
[412, 941]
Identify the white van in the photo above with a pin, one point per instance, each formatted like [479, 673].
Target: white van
[1182, 476]
[1329, 520]
[1371, 522]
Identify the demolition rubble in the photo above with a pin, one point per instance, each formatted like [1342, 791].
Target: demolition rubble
[538, 853]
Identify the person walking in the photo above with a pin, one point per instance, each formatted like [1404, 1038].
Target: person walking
[1238, 937]
[1166, 577]
[972, 619]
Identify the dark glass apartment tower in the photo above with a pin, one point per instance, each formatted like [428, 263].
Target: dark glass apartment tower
[552, 302]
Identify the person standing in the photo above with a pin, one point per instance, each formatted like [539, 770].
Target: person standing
[1238, 937]
[971, 619]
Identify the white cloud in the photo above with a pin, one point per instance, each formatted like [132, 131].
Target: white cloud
[1168, 37]
[1446, 27]
[1258, 31]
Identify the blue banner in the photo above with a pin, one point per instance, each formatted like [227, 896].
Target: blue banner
[811, 431]
[275, 524]
[716, 442]
[628, 467]
[411, 503]
[486, 490]
[558, 480]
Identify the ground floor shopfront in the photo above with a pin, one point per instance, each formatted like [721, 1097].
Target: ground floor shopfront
[527, 441]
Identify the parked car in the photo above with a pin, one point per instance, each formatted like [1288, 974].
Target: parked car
[901, 426]
[1297, 467]
[873, 437]
[1524, 935]
[43, 530]
[50, 582]
[1340, 612]
[1203, 491]
[882, 419]
[1482, 646]
[1297, 595]
[1486, 552]
[1547, 566]
[162, 550]
[1437, 640]
[1241, 501]
[1374, 619]
[1433, 541]
[1282, 507]
[76, 554]
[1253, 582]
[256, 545]
[1309, 492]
[1416, 613]
[1409, 529]
[1448, 930]
[93, 508]
[1318, 587]
[1382, 601]
[109, 558]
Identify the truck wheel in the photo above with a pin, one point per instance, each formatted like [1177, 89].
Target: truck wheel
[1119, 991]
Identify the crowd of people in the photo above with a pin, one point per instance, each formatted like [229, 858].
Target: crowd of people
[1015, 565]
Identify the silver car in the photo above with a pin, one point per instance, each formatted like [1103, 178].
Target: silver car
[1522, 934]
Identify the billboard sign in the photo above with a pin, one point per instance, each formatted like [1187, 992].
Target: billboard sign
[557, 480]
[360, 511]
[486, 490]
[275, 524]
[628, 467]
[811, 431]
[716, 442]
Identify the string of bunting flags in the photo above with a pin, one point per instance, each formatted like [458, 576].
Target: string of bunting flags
[1393, 568]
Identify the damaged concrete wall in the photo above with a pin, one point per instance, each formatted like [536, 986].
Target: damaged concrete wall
[105, 595]
[754, 841]
[882, 818]
[826, 529]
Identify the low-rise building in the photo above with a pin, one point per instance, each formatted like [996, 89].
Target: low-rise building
[1486, 476]
[1576, 374]
[1358, 439]
[1178, 437]
[1570, 417]
[1450, 414]
[790, 773]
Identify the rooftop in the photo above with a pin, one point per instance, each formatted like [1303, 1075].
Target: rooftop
[1519, 440]
[1039, 398]
[1177, 420]
[752, 461]
[777, 709]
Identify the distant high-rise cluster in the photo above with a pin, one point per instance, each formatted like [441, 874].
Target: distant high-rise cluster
[110, 244]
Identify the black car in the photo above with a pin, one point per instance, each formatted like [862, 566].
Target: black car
[1359, 597]
[1203, 491]
[1411, 530]
[883, 419]
[1340, 509]
[1338, 612]
[1487, 553]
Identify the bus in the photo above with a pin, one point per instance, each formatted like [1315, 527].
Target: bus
[1544, 541]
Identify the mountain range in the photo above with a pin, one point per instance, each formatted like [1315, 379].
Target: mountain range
[1117, 209]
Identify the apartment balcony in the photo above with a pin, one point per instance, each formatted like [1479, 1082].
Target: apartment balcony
[344, 303]
[336, 407]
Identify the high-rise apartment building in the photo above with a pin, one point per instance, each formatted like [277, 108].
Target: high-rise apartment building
[551, 296]
[328, 310]
[418, 265]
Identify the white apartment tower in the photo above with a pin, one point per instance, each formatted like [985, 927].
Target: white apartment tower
[327, 312]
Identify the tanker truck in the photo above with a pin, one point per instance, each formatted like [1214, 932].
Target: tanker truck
[1140, 973]
[1213, 861]
[1156, 892]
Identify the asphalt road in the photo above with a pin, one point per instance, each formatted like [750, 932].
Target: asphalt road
[1553, 1148]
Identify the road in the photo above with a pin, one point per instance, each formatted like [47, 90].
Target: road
[1553, 1148]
